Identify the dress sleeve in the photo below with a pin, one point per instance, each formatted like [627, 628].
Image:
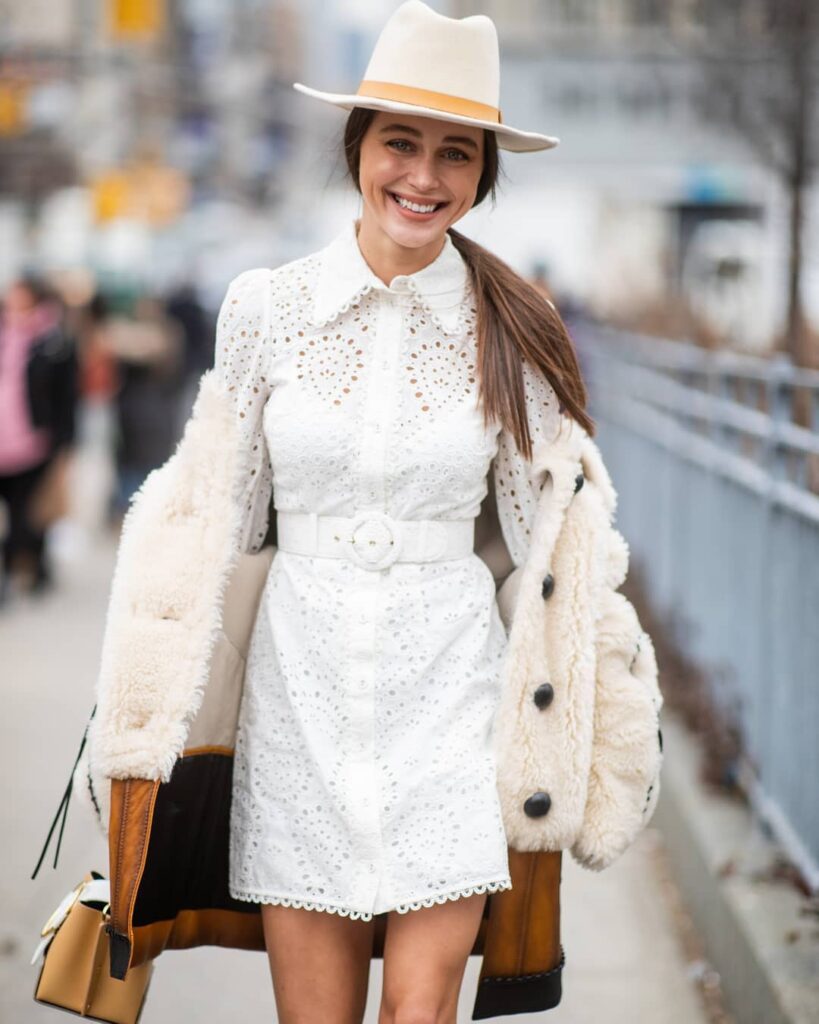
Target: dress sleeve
[517, 489]
[243, 351]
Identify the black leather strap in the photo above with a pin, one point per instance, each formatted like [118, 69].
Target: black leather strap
[63, 808]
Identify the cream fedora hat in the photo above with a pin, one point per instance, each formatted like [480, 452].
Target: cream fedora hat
[447, 68]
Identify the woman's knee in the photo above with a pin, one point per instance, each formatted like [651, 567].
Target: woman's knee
[417, 1010]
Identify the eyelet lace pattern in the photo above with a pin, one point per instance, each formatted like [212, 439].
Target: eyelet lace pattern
[516, 488]
[363, 761]
[243, 349]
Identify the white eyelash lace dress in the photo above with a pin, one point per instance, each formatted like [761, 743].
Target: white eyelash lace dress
[364, 778]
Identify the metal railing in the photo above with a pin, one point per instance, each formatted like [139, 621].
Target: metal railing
[717, 499]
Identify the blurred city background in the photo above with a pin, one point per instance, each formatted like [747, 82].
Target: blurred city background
[150, 150]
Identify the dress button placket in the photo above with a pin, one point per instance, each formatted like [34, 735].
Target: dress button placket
[379, 401]
[363, 779]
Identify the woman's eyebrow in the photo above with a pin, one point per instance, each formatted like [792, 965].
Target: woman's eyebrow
[463, 139]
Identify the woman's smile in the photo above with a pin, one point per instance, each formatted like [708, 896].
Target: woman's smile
[416, 209]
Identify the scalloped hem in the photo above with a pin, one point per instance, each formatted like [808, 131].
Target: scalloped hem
[286, 901]
[499, 885]
[472, 890]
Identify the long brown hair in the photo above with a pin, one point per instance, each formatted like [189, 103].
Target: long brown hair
[515, 322]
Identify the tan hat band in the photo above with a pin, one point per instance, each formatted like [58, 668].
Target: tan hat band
[429, 98]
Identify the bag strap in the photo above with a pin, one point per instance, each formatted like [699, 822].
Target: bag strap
[63, 808]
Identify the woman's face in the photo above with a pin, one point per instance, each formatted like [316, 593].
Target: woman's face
[425, 161]
[18, 299]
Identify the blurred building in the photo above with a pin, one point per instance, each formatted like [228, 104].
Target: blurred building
[197, 82]
[646, 188]
[160, 139]
[152, 106]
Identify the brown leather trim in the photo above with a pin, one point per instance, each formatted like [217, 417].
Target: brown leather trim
[519, 938]
[215, 749]
[527, 914]
[523, 932]
[229, 928]
[132, 804]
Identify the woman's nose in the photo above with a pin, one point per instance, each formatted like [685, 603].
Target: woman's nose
[423, 174]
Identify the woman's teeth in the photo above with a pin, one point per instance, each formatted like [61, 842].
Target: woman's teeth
[414, 206]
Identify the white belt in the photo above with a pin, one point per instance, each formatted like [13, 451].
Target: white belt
[374, 540]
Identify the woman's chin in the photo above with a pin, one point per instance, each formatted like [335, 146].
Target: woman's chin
[412, 233]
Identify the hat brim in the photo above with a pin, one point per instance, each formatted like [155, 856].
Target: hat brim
[512, 139]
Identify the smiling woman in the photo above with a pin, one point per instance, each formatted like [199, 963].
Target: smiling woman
[441, 691]
[423, 161]
[415, 183]
[462, 361]
[460, 367]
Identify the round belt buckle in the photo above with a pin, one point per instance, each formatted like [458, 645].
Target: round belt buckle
[375, 542]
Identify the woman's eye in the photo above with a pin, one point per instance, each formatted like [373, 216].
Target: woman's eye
[399, 143]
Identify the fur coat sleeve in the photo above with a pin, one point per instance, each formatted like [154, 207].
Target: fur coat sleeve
[181, 537]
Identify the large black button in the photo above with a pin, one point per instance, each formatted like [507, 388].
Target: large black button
[578, 482]
[537, 805]
[548, 585]
[544, 695]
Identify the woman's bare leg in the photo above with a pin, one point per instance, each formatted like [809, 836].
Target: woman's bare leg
[425, 955]
[319, 963]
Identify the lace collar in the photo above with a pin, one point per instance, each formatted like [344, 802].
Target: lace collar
[441, 287]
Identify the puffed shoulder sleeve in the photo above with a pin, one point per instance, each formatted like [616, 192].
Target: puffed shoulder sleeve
[517, 486]
[242, 358]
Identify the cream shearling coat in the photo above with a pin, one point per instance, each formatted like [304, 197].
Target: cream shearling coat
[595, 749]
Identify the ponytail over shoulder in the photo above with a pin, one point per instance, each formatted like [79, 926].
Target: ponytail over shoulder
[515, 323]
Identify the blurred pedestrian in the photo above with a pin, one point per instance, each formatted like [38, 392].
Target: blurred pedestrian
[98, 372]
[147, 348]
[94, 472]
[196, 328]
[38, 391]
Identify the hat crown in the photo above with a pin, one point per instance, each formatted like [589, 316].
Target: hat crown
[426, 64]
[422, 49]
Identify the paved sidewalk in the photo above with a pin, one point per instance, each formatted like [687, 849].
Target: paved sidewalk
[625, 963]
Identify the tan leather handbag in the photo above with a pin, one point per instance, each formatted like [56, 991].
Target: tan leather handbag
[75, 941]
[75, 949]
